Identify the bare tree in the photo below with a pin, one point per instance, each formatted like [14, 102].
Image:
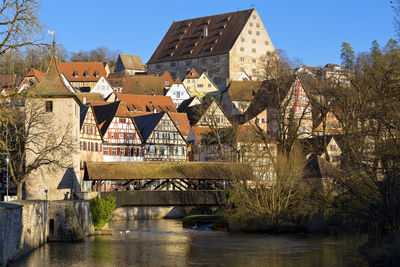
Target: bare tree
[19, 24]
[27, 129]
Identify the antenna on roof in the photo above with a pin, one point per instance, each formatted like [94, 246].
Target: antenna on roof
[54, 41]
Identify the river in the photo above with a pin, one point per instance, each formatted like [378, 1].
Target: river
[166, 243]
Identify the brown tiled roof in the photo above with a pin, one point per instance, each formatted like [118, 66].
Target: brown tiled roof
[35, 73]
[243, 90]
[181, 122]
[166, 170]
[132, 62]
[52, 84]
[91, 97]
[82, 68]
[7, 80]
[184, 38]
[247, 133]
[147, 103]
[192, 74]
[142, 85]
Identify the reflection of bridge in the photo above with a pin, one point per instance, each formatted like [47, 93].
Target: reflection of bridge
[165, 183]
[167, 198]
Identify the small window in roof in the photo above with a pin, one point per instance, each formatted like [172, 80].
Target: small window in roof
[202, 50]
[150, 101]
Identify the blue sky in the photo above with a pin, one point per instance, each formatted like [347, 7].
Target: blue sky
[308, 30]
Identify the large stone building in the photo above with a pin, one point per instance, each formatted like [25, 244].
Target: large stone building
[224, 45]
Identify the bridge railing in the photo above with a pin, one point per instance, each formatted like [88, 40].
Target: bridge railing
[167, 198]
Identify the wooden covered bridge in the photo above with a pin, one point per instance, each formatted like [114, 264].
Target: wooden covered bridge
[165, 183]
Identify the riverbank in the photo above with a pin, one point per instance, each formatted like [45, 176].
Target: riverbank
[26, 225]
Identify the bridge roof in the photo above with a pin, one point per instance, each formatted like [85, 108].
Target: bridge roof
[166, 170]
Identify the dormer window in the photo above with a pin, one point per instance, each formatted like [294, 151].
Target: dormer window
[96, 74]
[205, 32]
[75, 74]
[86, 74]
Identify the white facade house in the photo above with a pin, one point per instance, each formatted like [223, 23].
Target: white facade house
[102, 87]
[178, 93]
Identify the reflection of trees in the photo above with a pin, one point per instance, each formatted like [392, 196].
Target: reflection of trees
[103, 252]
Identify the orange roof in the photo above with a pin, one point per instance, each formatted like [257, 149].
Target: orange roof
[83, 71]
[35, 73]
[200, 131]
[181, 122]
[193, 74]
[167, 78]
[147, 103]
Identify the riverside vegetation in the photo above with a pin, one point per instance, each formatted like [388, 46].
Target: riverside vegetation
[101, 211]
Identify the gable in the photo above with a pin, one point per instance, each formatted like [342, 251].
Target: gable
[102, 87]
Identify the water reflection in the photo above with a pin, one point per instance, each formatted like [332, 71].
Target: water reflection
[165, 243]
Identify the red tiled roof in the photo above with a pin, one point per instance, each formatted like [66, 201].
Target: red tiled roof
[193, 74]
[167, 77]
[81, 69]
[147, 103]
[181, 122]
[200, 131]
[35, 73]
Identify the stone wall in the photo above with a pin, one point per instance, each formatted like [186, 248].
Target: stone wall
[26, 225]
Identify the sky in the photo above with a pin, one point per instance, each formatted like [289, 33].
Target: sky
[309, 30]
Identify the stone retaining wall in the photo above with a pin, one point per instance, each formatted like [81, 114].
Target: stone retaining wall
[26, 225]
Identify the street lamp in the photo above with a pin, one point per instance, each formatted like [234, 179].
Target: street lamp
[7, 162]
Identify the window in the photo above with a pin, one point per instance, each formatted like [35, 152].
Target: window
[84, 146]
[180, 151]
[242, 69]
[178, 94]
[122, 120]
[242, 49]
[49, 106]
[171, 150]
[333, 147]
[158, 66]
[188, 63]
[254, 41]
[251, 24]
[243, 40]
[266, 43]
[257, 33]
[253, 50]
[161, 150]
[209, 85]
[258, 25]
[166, 82]
[250, 32]
[105, 150]
[93, 131]
[254, 71]
[160, 135]
[254, 60]
[330, 116]
[151, 150]
[97, 148]
[241, 59]
[121, 135]
[171, 136]
[199, 86]
[166, 123]
[122, 152]
[173, 64]
[114, 151]
[254, 17]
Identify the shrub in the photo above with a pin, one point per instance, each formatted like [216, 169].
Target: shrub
[101, 211]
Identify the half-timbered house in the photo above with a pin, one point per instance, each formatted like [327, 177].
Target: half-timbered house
[122, 142]
[161, 138]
